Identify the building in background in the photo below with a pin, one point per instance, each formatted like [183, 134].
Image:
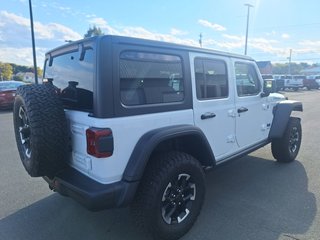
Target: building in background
[26, 76]
[265, 67]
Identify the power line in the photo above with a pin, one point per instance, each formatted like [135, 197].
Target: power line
[300, 59]
[295, 54]
[287, 26]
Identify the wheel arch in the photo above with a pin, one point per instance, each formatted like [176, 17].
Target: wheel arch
[281, 114]
[186, 138]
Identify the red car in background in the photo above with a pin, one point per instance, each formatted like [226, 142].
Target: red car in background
[312, 82]
[8, 92]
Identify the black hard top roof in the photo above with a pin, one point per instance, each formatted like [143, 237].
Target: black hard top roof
[151, 43]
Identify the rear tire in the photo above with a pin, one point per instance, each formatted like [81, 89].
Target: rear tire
[170, 196]
[286, 149]
[40, 129]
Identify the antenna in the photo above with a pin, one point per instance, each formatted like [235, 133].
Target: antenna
[33, 45]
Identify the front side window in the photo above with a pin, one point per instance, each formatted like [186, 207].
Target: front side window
[248, 82]
[150, 78]
[73, 75]
[211, 78]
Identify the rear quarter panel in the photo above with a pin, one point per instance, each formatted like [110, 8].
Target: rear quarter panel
[126, 133]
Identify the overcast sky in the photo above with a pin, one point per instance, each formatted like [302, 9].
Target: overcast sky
[276, 26]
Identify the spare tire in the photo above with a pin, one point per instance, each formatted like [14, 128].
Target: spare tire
[40, 128]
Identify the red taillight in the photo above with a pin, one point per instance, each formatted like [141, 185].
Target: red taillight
[99, 142]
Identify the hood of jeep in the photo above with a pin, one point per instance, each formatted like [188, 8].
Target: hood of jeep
[276, 97]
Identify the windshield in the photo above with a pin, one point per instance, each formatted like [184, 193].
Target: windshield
[73, 75]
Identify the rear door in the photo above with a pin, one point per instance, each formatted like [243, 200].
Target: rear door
[213, 101]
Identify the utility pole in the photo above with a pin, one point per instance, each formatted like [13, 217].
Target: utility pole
[289, 67]
[200, 40]
[33, 45]
[248, 15]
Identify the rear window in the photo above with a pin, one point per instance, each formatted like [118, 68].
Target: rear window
[72, 75]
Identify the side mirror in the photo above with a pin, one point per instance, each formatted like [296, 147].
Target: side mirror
[268, 87]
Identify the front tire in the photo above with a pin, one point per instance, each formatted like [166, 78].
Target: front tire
[170, 196]
[286, 149]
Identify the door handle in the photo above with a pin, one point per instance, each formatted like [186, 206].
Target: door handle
[242, 109]
[207, 115]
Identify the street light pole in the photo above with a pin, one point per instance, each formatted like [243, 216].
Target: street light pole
[289, 58]
[33, 45]
[200, 40]
[248, 14]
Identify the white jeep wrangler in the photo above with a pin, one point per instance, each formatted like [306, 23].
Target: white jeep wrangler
[121, 121]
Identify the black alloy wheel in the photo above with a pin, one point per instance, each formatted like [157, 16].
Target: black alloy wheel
[178, 198]
[24, 131]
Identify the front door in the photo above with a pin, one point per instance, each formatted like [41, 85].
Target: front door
[251, 108]
[214, 109]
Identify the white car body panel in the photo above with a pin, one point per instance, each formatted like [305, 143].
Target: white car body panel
[227, 133]
[220, 130]
[110, 169]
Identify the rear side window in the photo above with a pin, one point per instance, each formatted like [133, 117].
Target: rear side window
[150, 78]
[72, 75]
[211, 78]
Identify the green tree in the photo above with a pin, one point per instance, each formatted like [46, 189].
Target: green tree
[6, 71]
[283, 68]
[40, 72]
[17, 78]
[93, 31]
[19, 68]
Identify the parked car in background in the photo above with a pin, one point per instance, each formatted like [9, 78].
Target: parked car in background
[8, 92]
[279, 79]
[317, 78]
[294, 82]
[311, 82]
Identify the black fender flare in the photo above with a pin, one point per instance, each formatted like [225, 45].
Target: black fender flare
[150, 140]
[281, 114]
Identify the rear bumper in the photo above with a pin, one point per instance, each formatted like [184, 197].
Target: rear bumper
[91, 194]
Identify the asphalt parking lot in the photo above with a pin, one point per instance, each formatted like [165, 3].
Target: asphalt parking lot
[251, 198]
